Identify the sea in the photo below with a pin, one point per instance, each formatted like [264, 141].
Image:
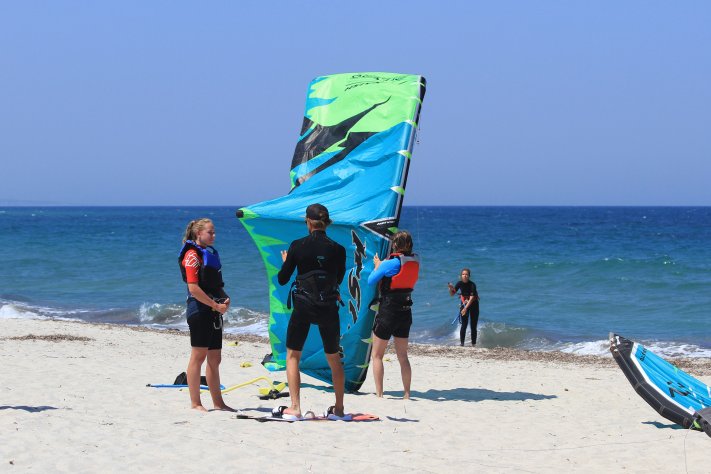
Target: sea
[549, 278]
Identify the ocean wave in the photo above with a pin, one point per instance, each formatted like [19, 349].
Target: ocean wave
[12, 311]
[496, 334]
[238, 320]
[154, 315]
[23, 310]
[241, 320]
[677, 349]
[246, 321]
[667, 349]
[596, 348]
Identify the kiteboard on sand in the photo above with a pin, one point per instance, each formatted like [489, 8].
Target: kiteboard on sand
[673, 393]
[278, 415]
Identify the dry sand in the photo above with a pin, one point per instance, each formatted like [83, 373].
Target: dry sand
[74, 399]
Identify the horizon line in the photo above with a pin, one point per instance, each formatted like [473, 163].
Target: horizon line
[44, 204]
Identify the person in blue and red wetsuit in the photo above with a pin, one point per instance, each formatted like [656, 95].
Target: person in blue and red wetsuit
[207, 301]
[469, 304]
[396, 277]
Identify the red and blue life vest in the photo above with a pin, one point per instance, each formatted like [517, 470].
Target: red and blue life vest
[404, 281]
[210, 274]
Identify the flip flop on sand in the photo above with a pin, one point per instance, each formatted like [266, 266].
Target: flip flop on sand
[365, 417]
[278, 412]
[331, 415]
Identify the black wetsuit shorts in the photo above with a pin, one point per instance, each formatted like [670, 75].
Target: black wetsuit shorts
[392, 323]
[205, 325]
[304, 315]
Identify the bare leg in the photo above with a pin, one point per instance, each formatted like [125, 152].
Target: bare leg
[212, 374]
[197, 357]
[338, 378]
[376, 357]
[293, 378]
[405, 369]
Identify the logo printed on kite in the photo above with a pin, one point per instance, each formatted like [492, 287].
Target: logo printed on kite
[354, 276]
[681, 390]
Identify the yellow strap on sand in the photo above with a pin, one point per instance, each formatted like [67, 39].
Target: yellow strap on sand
[262, 390]
[250, 382]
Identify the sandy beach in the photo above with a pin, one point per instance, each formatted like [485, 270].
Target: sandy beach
[74, 398]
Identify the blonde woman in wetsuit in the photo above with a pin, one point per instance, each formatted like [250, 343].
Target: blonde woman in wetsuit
[207, 301]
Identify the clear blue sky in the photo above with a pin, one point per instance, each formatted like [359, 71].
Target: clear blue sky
[528, 102]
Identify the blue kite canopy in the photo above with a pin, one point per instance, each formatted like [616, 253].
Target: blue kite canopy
[352, 156]
[676, 395]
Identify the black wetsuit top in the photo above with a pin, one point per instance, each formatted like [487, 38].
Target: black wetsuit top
[314, 252]
[467, 289]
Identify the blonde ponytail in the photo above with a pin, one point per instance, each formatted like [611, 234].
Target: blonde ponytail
[194, 227]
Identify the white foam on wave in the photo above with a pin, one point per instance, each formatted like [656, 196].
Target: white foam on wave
[16, 310]
[246, 321]
[257, 329]
[661, 348]
[238, 320]
[677, 349]
[11, 311]
[596, 348]
[162, 315]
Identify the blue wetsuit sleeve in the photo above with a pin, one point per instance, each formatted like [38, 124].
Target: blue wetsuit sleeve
[388, 268]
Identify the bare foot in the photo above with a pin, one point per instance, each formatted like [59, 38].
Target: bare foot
[406, 396]
[291, 411]
[200, 408]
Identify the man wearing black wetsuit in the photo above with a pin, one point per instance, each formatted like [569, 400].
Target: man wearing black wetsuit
[320, 264]
[469, 308]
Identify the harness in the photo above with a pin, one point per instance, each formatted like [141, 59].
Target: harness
[464, 299]
[396, 291]
[317, 288]
[210, 274]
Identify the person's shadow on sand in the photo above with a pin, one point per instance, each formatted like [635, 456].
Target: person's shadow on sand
[471, 395]
[328, 389]
[27, 408]
[452, 394]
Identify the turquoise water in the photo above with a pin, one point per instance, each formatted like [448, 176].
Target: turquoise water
[550, 278]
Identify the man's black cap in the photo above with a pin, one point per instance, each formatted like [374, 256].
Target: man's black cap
[318, 212]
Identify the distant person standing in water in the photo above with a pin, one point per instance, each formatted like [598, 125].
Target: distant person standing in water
[396, 276]
[469, 304]
[207, 301]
